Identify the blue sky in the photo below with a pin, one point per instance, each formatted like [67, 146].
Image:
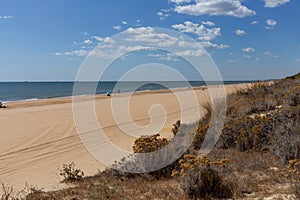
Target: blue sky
[48, 40]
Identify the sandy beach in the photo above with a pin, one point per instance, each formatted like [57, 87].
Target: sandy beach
[38, 137]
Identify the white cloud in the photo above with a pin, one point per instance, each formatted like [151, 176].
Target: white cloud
[58, 54]
[271, 22]
[168, 56]
[88, 41]
[138, 23]
[163, 14]
[240, 32]
[192, 53]
[73, 53]
[142, 38]
[180, 1]
[98, 38]
[246, 56]
[117, 28]
[215, 46]
[149, 35]
[248, 49]
[254, 22]
[275, 3]
[6, 17]
[133, 48]
[208, 23]
[270, 54]
[147, 38]
[205, 34]
[214, 7]
[108, 40]
[124, 22]
[201, 31]
[101, 39]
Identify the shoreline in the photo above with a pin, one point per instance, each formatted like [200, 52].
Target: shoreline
[68, 99]
[103, 93]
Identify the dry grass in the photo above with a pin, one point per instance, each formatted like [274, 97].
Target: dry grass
[106, 186]
[8, 192]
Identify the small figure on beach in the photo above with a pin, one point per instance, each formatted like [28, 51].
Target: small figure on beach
[1, 105]
[108, 93]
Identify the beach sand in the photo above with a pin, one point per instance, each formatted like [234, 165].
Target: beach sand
[38, 137]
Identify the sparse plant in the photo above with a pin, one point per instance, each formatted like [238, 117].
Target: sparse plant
[7, 191]
[71, 173]
[108, 191]
[201, 178]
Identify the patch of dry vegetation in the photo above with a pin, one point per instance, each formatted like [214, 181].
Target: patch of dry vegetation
[71, 173]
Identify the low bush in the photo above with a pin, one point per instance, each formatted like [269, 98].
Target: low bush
[201, 178]
[70, 173]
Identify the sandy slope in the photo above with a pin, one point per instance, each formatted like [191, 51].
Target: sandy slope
[38, 137]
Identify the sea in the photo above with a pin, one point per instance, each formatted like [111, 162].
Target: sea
[21, 91]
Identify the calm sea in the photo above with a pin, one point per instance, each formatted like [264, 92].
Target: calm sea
[17, 91]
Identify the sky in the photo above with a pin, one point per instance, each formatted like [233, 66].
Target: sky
[43, 40]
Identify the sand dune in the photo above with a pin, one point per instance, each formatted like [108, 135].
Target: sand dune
[38, 137]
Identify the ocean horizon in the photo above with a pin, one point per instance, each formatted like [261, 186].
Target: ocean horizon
[22, 91]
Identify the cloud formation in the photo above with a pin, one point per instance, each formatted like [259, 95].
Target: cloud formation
[248, 50]
[180, 1]
[80, 52]
[200, 30]
[6, 17]
[88, 41]
[275, 3]
[213, 7]
[215, 46]
[117, 28]
[163, 14]
[208, 23]
[240, 32]
[271, 22]
[205, 34]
